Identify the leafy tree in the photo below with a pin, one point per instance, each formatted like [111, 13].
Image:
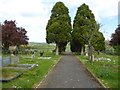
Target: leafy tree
[58, 28]
[85, 29]
[115, 40]
[13, 35]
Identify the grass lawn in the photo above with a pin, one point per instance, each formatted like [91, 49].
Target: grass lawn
[32, 77]
[106, 71]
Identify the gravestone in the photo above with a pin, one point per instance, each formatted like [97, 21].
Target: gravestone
[15, 59]
[32, 57]
[6, 61]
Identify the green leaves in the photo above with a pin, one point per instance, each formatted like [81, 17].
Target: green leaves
[86, 29]
[59, 26]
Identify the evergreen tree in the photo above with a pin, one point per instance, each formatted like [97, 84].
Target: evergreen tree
[85, 29]
[59, 28]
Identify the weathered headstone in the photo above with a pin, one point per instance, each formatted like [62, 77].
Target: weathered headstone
[15, 59]
[33, 56]
[6, 61]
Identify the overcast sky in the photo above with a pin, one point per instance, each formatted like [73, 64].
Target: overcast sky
[33, 15]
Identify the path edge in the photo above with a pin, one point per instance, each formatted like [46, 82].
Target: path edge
[92, 74]
[54, 65]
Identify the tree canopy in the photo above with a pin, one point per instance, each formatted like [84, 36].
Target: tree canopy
[115, 38]
[59, 28]
[86, 30]
[13, 35]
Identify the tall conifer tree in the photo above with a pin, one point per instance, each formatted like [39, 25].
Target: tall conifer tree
[59, 28]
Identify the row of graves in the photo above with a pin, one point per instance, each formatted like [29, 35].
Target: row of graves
[11, 62]
[96, 58]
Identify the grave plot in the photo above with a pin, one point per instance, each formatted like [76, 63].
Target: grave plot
[44, 58]
[11, 68]
[12, 63]
[8, 75]
[21, 66]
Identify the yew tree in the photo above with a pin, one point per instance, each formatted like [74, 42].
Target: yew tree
[85, 30]
[59, 28]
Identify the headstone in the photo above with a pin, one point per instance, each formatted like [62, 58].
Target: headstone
[33, 56]
[6, 61]
[15, 59]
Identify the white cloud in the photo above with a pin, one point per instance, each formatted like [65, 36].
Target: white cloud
[33, 15]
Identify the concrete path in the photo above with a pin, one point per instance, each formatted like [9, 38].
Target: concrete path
[69, 73]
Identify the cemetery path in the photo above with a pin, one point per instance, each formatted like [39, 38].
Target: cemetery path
[69, 73]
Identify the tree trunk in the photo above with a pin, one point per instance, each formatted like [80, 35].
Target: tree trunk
[89, 52]
[82, 51]
[57, 53]
[6, 48]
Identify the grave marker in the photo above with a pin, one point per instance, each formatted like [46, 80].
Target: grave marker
[15, 59]
[6, 61]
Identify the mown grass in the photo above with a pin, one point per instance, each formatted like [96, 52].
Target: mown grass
[106, 71]
[8, 73]
[34, 76]
[31, 78]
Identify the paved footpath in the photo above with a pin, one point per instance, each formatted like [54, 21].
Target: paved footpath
[69, 73]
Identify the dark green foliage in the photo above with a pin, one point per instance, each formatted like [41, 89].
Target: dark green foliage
[86, 30]
[75, 46]
[59, 28]
[62, 47]
[83, 26]
[99, 42]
